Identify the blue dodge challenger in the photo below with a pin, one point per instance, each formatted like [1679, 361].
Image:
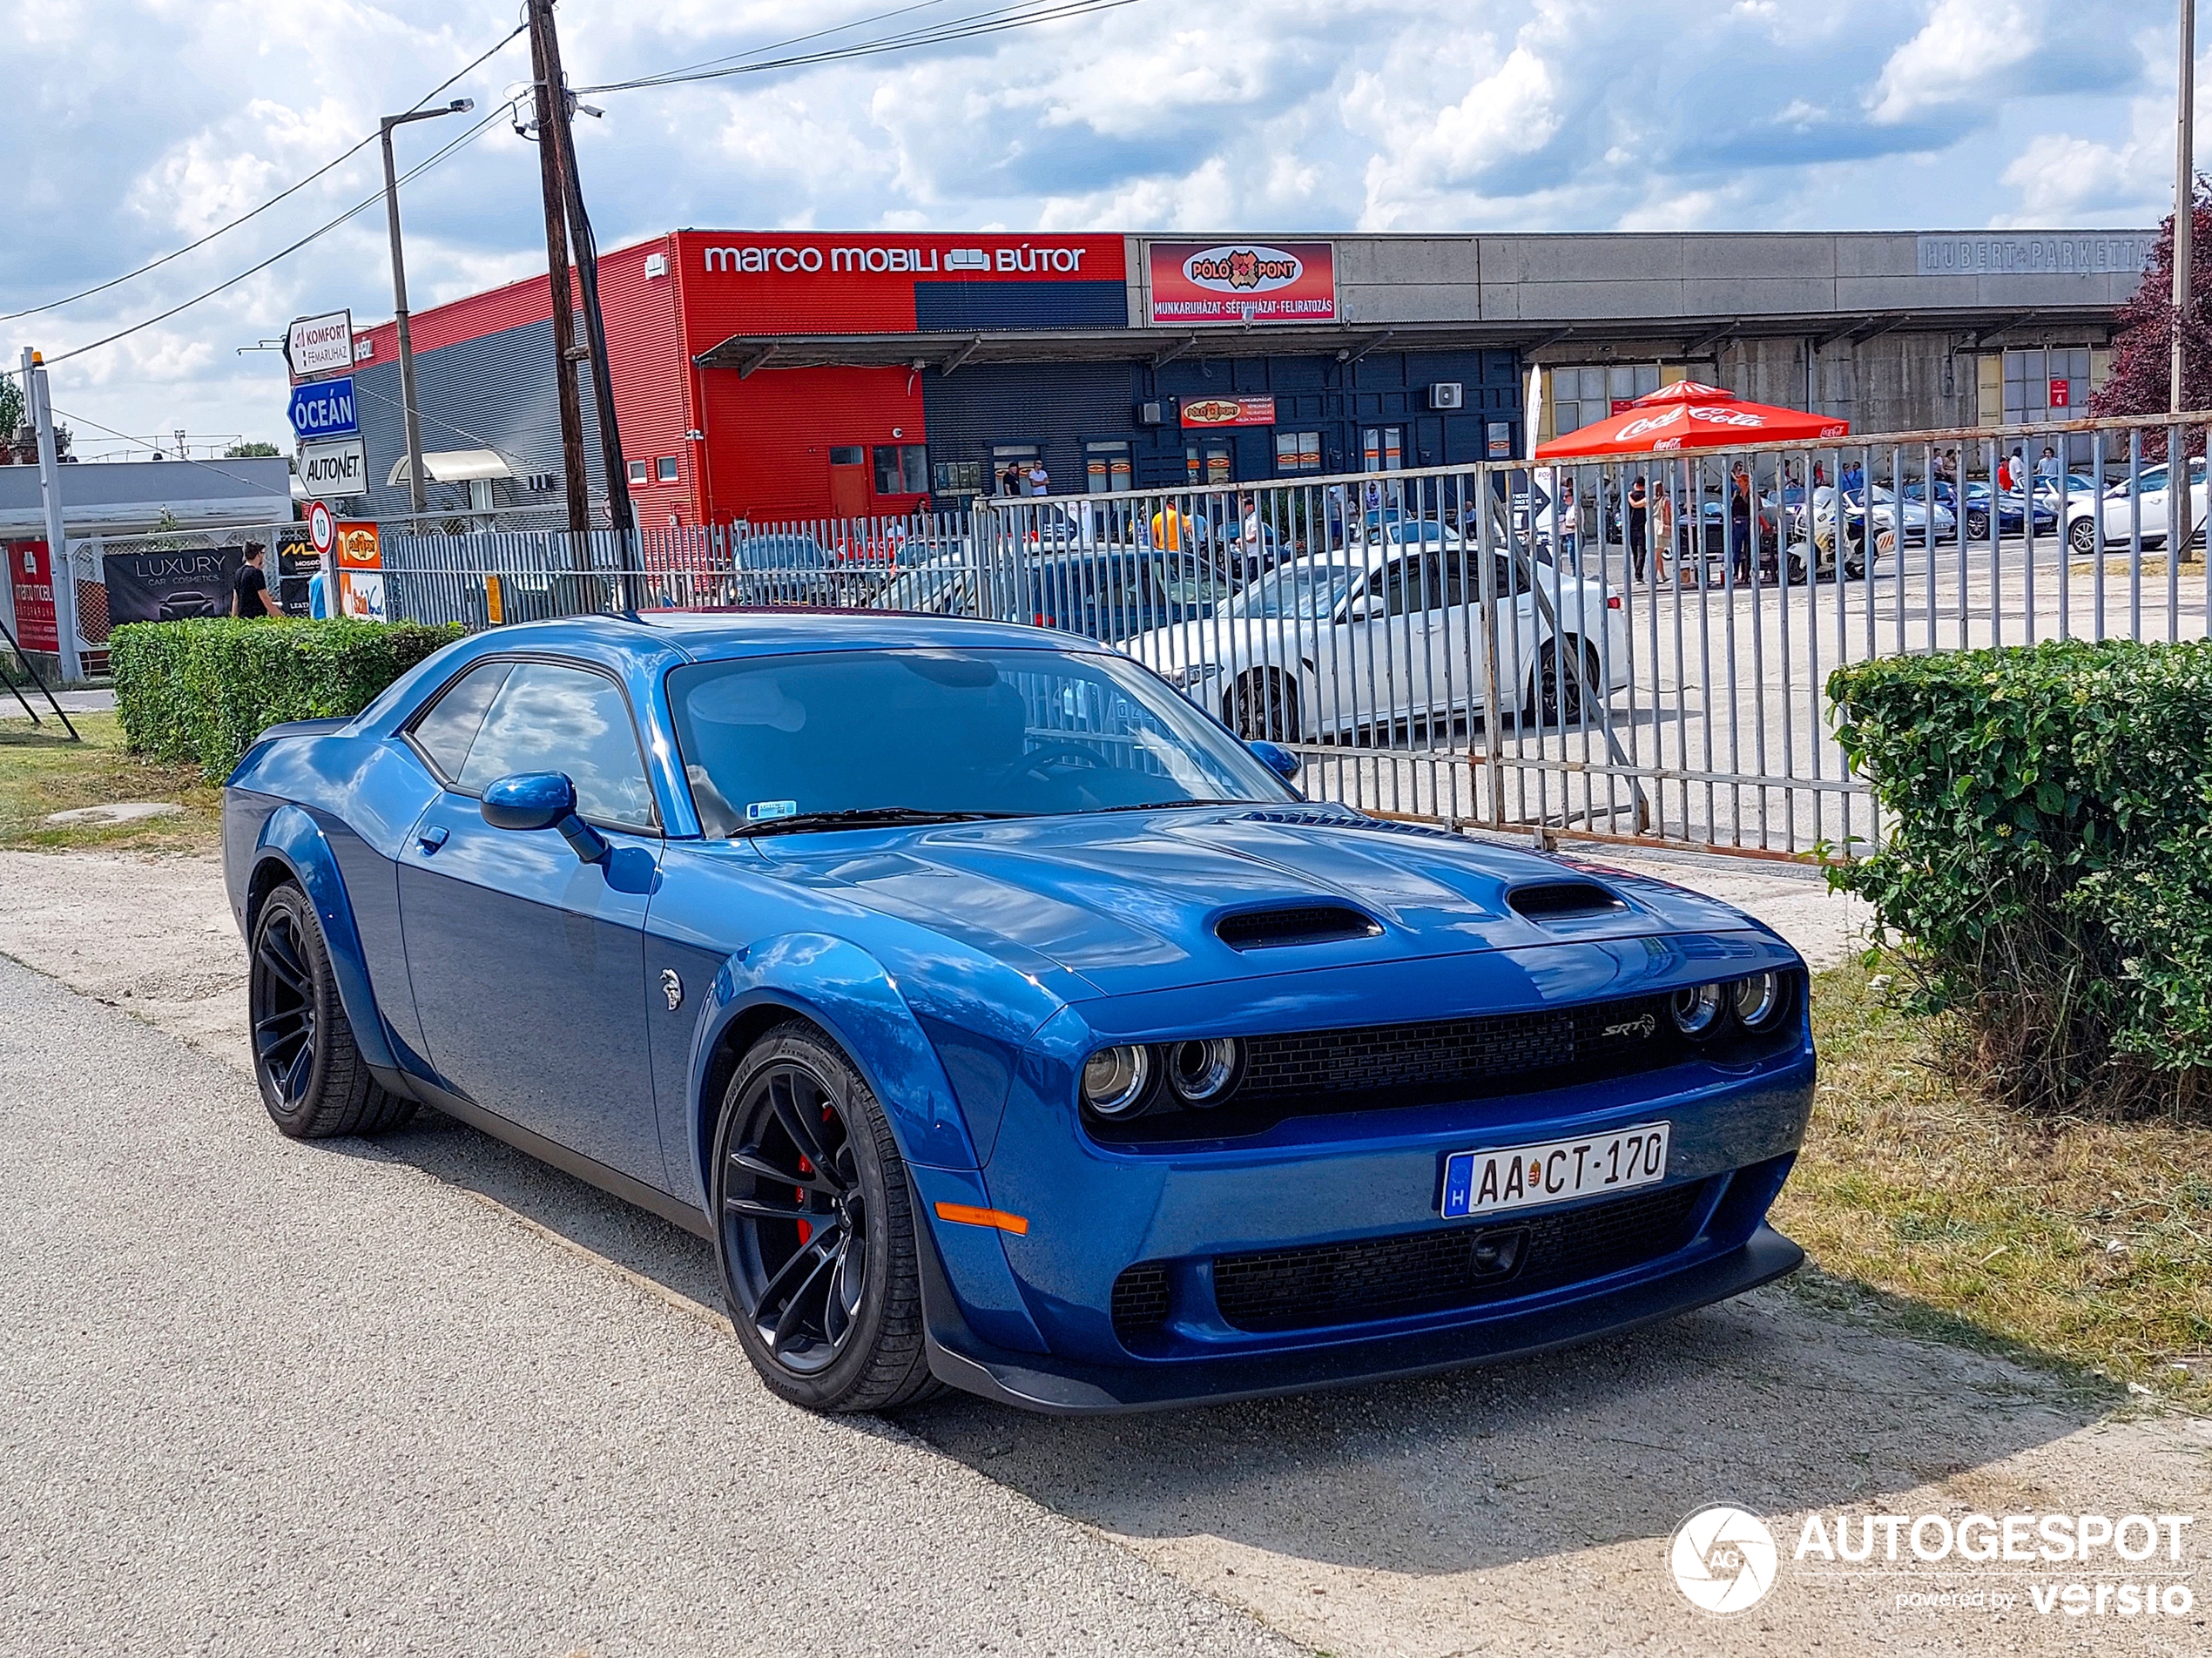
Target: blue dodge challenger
[1003, 1021]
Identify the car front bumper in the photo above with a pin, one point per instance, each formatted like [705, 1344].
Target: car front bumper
[1061, 1387]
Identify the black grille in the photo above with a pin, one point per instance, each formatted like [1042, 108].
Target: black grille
[1435, 1270]
[1335, 820]
[1141, 1299]
[1458, 1056]
[1302, 924]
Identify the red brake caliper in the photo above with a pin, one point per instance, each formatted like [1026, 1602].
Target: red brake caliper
[805, 1228]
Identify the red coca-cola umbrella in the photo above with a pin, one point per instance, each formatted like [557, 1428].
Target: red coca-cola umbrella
[1689, 414]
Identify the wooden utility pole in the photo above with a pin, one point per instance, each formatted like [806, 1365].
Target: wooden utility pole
[543, 70]
[586, 249]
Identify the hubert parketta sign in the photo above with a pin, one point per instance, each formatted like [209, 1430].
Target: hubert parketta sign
[321, 345]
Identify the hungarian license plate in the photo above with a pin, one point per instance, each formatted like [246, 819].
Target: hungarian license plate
[1557, 1171]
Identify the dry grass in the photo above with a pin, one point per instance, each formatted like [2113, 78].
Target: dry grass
[41, 772]
[2091, 1242]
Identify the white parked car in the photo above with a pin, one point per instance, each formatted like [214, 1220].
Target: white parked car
[1388, 630]
[2124, 511]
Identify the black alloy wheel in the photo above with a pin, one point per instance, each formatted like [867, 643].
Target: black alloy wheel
[815, 1230]
[1558, 694]
[1263, 707]
[1977, 526]
[313, 1080]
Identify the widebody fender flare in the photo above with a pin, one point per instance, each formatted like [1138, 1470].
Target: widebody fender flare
[852, 996]
[855, 998]
[293, 838]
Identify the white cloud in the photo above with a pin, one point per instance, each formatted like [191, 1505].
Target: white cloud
[1968, 46]
[139, 124]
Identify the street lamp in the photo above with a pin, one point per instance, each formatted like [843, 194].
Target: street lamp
[413, 420]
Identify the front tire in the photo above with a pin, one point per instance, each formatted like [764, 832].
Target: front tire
[1556, 697]
[815, 1230]
[313, 1080]
[2082, 538]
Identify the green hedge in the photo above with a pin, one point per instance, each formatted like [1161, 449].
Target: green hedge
[199, 692]
[2048, 875]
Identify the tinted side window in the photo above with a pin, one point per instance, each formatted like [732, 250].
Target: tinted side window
[447, 733]
[547, 717]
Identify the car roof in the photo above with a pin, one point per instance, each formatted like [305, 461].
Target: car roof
[719, 634]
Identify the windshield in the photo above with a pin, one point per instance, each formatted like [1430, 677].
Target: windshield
[1295, 591]
[953, 733]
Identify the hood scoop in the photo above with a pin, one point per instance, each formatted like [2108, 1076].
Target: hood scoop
[1296, 924]
[1562, 900]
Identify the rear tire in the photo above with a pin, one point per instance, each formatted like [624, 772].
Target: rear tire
[313, 1080]
[1977, 526]
[815, 1230]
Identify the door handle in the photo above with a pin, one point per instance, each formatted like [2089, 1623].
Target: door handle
[433, 838]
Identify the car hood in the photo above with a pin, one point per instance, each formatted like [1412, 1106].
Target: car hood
[1129, 901]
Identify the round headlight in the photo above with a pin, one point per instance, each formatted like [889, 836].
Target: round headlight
[1698, 1009]
[1114, 1080]
[1202, 1073]
[1758, 1000]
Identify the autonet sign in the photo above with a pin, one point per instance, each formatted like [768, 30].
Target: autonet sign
[1243, 282]
[338, 469]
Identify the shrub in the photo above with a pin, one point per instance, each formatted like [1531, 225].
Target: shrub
[198, 692]
[2048, 875]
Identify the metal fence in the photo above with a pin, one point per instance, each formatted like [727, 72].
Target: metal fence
[87, 565]
[1634, 648]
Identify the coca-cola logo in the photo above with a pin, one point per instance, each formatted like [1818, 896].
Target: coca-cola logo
[1649, 423]
[1257, 269]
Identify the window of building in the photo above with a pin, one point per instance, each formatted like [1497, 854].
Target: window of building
[1297, 451]
[637, 472]
[1204, 463]
[901, 469]
[1382, 448]
[847, 454]
[1106, 468]
[664, 468]
[1010, 464]
[1582, 396]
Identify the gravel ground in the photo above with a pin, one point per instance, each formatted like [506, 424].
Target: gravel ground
[428, 1395]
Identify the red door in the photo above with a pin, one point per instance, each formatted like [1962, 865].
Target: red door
[848, 483]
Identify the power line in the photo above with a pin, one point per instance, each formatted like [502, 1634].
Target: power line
[995, 21]
[469, 137]
[1022, 14]
[82, 420]
[153, 265]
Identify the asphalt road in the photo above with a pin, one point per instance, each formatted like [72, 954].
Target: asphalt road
[260, 1398]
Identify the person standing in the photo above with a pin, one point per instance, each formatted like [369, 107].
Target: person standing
[2047, 467]
[1638, 508]
[1039, 480]
[1662, 528]
[1739, 522]
[250, 588]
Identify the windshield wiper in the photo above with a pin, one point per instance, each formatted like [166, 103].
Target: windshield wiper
[861, 817]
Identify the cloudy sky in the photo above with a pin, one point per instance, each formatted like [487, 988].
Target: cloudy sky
[135, 127]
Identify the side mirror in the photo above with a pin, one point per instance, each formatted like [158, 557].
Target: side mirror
[1364, 609]
[542, 801]
[1276, 758]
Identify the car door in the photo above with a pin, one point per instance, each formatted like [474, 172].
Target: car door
[527, 963]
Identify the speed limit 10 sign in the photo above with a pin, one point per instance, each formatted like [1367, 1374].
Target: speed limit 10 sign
[320, 530]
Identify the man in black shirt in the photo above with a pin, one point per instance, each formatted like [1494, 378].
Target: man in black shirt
[250, 588]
